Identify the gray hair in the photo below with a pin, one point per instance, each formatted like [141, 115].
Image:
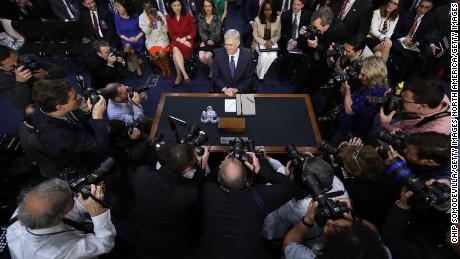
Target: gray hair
[325, 14]
[232, 34]
[54, 193]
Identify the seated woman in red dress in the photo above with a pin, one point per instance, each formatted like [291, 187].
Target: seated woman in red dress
[181, 30]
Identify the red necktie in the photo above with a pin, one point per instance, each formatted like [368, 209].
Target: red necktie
[96, 25]
[344, 7]
[413, 28]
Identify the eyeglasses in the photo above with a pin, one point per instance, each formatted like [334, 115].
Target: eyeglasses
[405, 101]
[355, 156]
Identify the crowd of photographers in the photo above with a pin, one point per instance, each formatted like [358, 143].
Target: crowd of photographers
[378, 188]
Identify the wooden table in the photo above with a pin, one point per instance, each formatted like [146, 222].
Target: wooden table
[302, 119]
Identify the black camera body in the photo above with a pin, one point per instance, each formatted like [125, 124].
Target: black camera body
[328, 148]
[196, 138]
[337, 52]
[138, 89]
[396, 140]
[237, 149]
[338, 78]
[390, 102]
[311, 33]
[116, 52]
[331, 116]
[93, 94]
[81, 185]
[425, 196]
[28, 63]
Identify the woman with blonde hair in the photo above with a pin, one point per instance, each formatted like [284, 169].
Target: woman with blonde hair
[355, 116]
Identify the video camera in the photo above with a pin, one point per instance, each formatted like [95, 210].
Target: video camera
[311, 33]
[196, 138]
[82, 185]
[28, 63]
[425, 196]
[327, 208]
[336, 52]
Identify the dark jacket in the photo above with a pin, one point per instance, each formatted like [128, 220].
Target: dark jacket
[106, 24]
[20, 93]
[406, 19]
[232, 221]
[242, 79]
[101, 73]
[60, 11]
[358, 19]
[166, 201]
[408, 239]
[286, 26]
[81, 144]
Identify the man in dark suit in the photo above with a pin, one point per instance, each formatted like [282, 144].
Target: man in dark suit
[410, 31]
[98, 22]
[167, 202]
[234, 209]
[66, 10]
[233, 67]
[105, 67]
[356, 14]
[251, 10]
[291, 22]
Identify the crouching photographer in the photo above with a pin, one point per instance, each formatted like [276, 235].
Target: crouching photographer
[167, 198]
[18, 73]
[354, 116]
[410, 233]
[106, 65]
[234, 207]
[50, 221]
[345, 237]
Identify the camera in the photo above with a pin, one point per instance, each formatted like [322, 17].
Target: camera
[390, 102]
[28, 63]
[298, 159]
[328, 148]
[425, 196]
[116, 52]
[327, 208]
[337, 52]
[93, 94]
[137, 89]
[311, 32]
[156, 142]
[338, 78]
[237, 150]
[196, 138]
[396, 140]
[81, 185]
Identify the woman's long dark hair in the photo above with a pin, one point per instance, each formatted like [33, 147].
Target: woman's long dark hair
[212, 5]
[261, 13]
[393, 15]
[128, 5]
[183, 10]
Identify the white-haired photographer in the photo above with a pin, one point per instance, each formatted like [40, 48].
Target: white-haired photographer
[50, 223]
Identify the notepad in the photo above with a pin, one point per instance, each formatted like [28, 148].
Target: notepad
[230, 105]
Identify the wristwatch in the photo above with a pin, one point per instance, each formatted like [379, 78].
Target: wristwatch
[306, 224]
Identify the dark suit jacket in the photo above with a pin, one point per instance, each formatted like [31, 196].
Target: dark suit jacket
[243, 74]
[101, 73]
[60, 11]
[232, 221]
[168, 216]
[441, 25]
[406, 19]
[358, 19]
[83, 144]
[105, 23]
[13, 12]
[251, 10]
[286, 26]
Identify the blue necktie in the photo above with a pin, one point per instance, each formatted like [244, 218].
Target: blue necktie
[232, 66]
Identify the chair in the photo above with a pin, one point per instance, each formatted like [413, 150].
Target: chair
[34, 35]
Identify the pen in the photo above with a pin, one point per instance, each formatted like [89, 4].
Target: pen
[249, 99]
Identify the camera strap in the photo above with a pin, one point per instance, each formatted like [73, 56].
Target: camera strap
[432, 118]
[259, 201]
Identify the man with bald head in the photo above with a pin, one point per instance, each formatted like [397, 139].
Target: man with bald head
[48, 221]
[234, 208]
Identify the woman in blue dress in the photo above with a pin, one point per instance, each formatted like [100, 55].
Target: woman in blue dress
[127, 26]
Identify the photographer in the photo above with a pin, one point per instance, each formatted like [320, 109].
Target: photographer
[355, 117]
[425, 99]
[354, 52]
[18, 73]
[49, 222]
[409, 234]
[315, 41]
[124, 106]
[234, 209]
[62, 129]
[278, 222]
[166, 200]
[345, 238]
[105, 65]
[363, 174]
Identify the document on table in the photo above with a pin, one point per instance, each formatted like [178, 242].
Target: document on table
[230, 105]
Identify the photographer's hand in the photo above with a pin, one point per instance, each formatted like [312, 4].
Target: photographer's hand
[136, 99]
[254, 166]
[93, 207]
[309, 217]
[385, 120]
[313, 43]
[393, 153]
[403, 201]
[111, 59]
[99, 109]
[40, 74]
[355, 141]
[22, 75]
[136, 134]
[203, 160]
[303, 30]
